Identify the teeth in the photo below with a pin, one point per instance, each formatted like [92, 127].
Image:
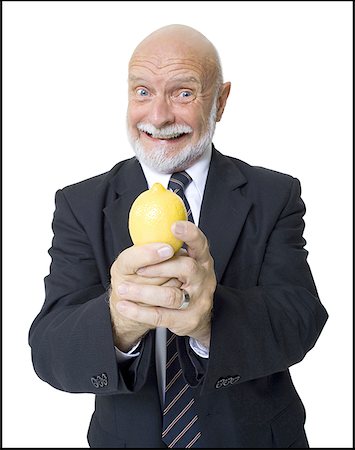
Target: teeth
[173, 136]
[159, 136]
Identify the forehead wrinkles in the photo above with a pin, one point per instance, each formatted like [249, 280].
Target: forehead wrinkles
[169, 65]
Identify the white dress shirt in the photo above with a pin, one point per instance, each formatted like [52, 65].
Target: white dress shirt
[194, 194]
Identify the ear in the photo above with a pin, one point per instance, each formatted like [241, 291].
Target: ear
[222, 99]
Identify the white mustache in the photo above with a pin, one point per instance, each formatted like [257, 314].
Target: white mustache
[170, 131]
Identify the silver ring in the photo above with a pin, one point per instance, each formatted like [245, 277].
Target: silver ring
[185, 300]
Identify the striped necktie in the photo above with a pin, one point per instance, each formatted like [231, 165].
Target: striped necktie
[178, 183]
[180, 420]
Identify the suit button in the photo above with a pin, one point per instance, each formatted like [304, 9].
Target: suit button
[235, 379]
[95, 382]
[103, 380]
[219, 383]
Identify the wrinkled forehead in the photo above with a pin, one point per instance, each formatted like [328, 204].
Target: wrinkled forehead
[165, 64]
[200, 69]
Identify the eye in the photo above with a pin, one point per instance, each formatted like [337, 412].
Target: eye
[142, 92]
[185, 94]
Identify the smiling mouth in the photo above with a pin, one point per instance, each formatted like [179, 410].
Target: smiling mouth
[172, 137]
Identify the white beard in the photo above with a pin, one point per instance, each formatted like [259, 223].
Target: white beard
[159, 158]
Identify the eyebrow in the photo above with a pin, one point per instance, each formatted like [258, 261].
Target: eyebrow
[134, 78]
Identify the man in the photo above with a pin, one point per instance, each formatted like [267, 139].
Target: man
[239, 302]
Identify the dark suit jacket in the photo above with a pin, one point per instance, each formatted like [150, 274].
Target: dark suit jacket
[266, 313]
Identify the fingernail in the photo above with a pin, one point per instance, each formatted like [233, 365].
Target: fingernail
[122, 289]
[165, 252]
[179, 228]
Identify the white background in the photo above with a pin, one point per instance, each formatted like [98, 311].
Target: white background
[64, 105]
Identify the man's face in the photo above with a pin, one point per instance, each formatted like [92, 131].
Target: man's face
[171, 109]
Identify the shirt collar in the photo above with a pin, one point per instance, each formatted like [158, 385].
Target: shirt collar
[198, 172]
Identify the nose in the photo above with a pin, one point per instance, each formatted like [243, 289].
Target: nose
[160, 112]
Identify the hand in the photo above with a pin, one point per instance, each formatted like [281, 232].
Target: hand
[194, 270]
[126, 331]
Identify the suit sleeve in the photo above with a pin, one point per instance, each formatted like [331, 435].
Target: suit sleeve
[267, 328]
[71, 337]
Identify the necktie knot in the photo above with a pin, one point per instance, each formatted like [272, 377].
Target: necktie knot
[179, 180]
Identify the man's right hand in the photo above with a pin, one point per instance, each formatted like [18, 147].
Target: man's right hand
[126, 331]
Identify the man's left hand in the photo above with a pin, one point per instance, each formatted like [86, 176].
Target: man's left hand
[195, 271]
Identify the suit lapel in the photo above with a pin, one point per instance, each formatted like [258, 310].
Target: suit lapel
[128, 183]
[223, 210]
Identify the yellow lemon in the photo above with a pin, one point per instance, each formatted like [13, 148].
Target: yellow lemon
[152, 214]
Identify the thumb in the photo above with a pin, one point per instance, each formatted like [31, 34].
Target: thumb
[195, 240]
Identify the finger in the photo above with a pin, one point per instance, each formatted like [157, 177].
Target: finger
[181, 267]
[131, 259]
[164, 296]
[172, 282]
[135, 278]
[195, 240]
[152, 316]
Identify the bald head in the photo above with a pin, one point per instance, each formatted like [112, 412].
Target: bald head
[167, 44]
